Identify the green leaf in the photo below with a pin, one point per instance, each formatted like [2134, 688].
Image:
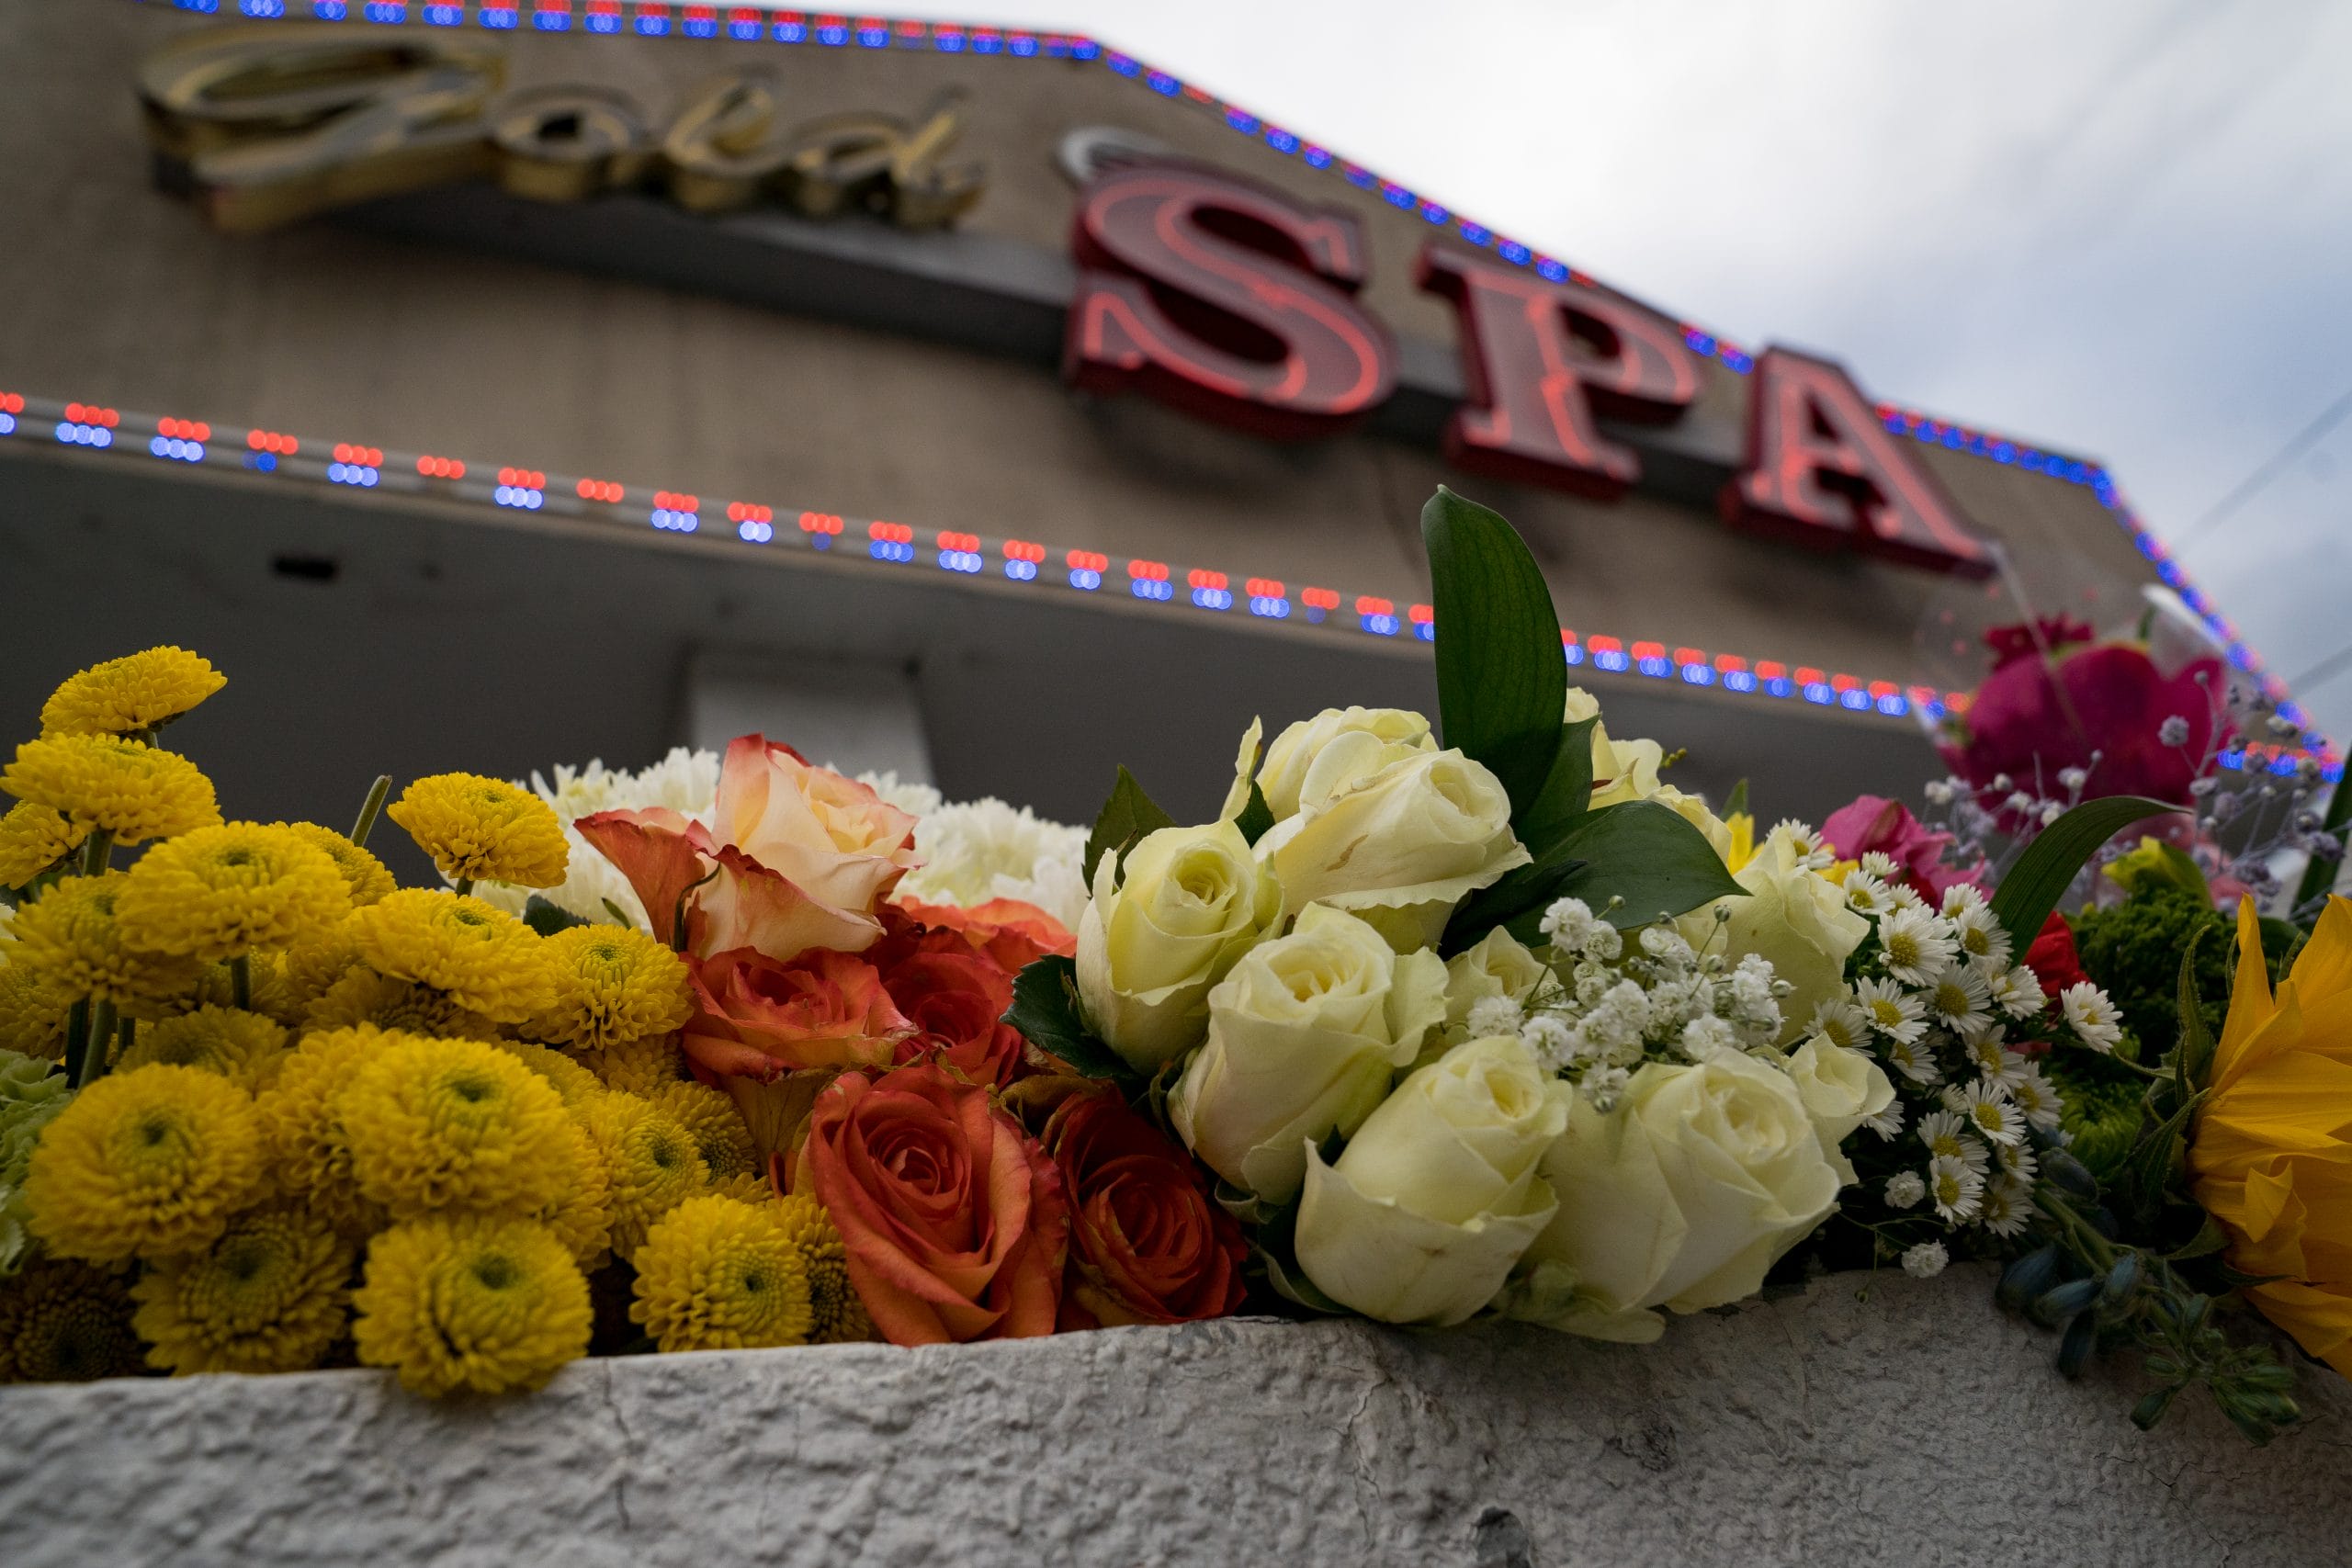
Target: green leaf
[1648, 857]
[2320, 875]
[2210, 1238]
[1502, 683]
[2050, 864]
[547, 919]
[1127, 815]
[1518, 900]
[1566, 794]
[2194, 1054]
[1046, 1010]
[1257, 818]
[1738, 801]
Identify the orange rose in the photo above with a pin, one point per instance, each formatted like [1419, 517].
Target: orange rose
[957, 1002]
[952, 1217]
[1014, 934]
[756, 1017]
[1147, 1245]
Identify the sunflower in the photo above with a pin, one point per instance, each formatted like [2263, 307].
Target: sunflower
[481, 1304]
[65, 1322]
[483, 957]
[267, 1297]
[613, 986]
[365, 877]
[2271, 1157]
[32, 839]
[145, 1164]
[141, 691]
[714, 1274]
[244, 1048]
[220, 891]
[649, 1159]
[644, 1065]
[836, 1314]
[455, 1123]
[481, 828]
[308, 1151]
[127, 789]
[71, 938]
[362, 995]
[710, 1119]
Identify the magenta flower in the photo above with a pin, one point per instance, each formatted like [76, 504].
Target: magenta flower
[1873, 822]
[2102, 707]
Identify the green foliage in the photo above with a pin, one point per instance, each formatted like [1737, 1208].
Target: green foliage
[1566, 794]
[1257, 818]
[1046, 1010]
[1127, 815]
[547, 919]
[2133, 951]
[1643, 860]
[1518, 900]
[1502, 683]
[2050, 864]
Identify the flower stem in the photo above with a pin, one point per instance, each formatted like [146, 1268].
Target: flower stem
[78, 1038]
[465, 885]
[369, 807]
[97, 850]
[240, 983]
[94, 1053]
[2097, 1247]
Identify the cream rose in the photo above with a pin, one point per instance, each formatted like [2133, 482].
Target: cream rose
[1792, 915]
[1438, 1194]
[1399, 847]
[1680, 1198]
[1317, 758]
[1621, 770]
[1193, 900]
[1500, 965]
[1842, 1089]
[1306, 1036]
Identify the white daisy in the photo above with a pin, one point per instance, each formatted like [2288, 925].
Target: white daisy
[1888, 1121]
[2016, 1160]
[1956, 1191]
[1992, 1057]
[1947, 1136]
[2016, 992]
[1497, 1015]
[1841, 1021]
[1866, 894]
[1960, 896]
[1926, 1260]
[1960, 1002]
[1903, 896]
[1904, 1189]
[1916, 945]
[1979, 934]
[2006, 1208]
[1884, 866]
[1914, 1061]
[1892, 1010]
[1992, 1115]
[2038, 1098]
[2093, 1016]
[1811, 851]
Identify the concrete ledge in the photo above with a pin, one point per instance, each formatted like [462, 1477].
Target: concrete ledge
[1920, 1427]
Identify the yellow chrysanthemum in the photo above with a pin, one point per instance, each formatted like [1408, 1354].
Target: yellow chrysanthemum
[130, 789]
[362, 995]
[485, 1306]
[244, 1047]
[266, 992]
[714, 1274]
[33, 838]
[364, 878]
[836, 1314]
[582, 1215]
[710, 1119]
[141, 691]
[73, 935]
[646, 1066]
[613, 986]
[33, 1011]
[65, 1322]
[219, 892]
[455, 1123]
[145, 1164]
[483, 957]
[2271, 1158]
[483, 830]
[649, 1159]
[745, 1187]
[310, 967]
[309, 1155]
[267, 1297]
[575, 1083]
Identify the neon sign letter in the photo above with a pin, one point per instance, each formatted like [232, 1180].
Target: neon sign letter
[1226, 298]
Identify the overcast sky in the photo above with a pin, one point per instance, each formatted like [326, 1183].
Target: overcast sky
[2120, 227]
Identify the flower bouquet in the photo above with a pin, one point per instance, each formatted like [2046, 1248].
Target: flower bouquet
[1432, 1022]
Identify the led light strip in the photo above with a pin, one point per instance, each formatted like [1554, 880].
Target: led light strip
[659, 19]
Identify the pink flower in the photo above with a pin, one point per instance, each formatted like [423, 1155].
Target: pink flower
[2033, 717]
[1873, 823]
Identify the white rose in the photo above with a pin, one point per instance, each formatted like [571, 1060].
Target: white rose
[1681, 1197]
[1621, 770]
[1437, 1195]
[1305, 1037]
[1399, 847]
[1193, 901]
[1792, 915]
[1317, 758]
[1841, 1088]
[1500, 965]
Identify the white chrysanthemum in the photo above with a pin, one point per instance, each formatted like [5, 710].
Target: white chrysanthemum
[1867, 895]
[1914, 1060]
[1982, 941]
[1947, 1136]
[1568, 923]
[685, 782]
[1892, 1010]
[1926, 1260]
[978, 850]
[1884, 866]
[2017, 993]
[2006, 1207]
[1915, 944]
[1905, 1189]
[1888, 1121]
[1956, 1191]
[1992, 1114]
[1993, 1059]
[2037, 1098]
[2016, 1161]
[2093, 1016]
[1958, 1000]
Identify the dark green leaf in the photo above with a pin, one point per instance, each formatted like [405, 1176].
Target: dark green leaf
[2050, 864]
[547, 919]
[1738, 801]
[1127, 815]
[2194, 1053]
[2210, 1238]
[1046, 1010]
[620, 916]
[1519, 901]
[1649, 860]
[1257, 816]
[2319, 876]
[1566, 794]
[1502, 683]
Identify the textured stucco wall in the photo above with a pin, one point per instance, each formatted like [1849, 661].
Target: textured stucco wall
[1919, 1426]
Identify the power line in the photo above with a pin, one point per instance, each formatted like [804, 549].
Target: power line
[2327, 669]
[2271, 467]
